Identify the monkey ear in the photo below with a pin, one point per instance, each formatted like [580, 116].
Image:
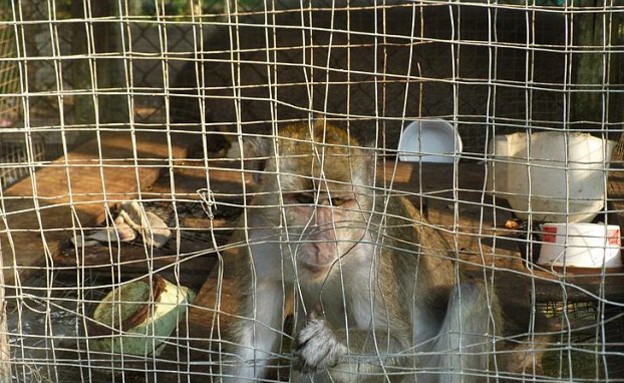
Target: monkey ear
[257, 147]
[364, 158]
[256, 151]
[371, 154]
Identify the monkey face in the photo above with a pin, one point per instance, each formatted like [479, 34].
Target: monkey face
[316, 196]
[324, 224]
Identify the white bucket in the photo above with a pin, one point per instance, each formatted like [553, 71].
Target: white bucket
[559, 188]
[429, 140]
[585, 245]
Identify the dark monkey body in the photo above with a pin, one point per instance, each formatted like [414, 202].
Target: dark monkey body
[378, 293]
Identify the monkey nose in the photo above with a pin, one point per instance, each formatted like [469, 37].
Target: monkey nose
[324, 215]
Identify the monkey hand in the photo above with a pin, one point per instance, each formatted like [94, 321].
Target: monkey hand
[317, 347]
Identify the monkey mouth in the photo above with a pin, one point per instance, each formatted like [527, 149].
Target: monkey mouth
[316, 268]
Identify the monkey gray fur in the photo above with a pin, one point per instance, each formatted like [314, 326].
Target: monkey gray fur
[379, 295]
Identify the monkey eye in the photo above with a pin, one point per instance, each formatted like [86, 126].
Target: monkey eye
[338, 201]
[305, 198]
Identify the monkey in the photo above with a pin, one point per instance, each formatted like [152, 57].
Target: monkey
[379, 294]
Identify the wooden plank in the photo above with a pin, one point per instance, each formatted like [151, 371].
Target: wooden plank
[43, 210]
[578, 285]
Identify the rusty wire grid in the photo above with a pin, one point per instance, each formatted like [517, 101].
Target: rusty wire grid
[128, 170]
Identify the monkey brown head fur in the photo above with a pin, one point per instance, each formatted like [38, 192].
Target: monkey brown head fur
[310, 155]
[316, 185]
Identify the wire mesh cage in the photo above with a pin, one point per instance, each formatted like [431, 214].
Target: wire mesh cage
[208, 190]
[18, 157]
[9, 81]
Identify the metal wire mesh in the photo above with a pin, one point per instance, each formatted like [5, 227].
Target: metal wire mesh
[9, 82]
[129, 133]
[15, 158]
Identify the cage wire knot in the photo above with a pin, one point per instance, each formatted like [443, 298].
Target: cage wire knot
[208, 201]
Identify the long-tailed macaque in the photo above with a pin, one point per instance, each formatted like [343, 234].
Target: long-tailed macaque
[378, 294]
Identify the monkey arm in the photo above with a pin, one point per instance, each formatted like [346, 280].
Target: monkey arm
[257, 333]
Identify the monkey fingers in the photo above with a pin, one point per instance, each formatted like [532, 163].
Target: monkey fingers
[317, 347]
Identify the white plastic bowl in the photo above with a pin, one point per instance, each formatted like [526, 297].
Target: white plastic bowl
[583, 245]
[429, 140]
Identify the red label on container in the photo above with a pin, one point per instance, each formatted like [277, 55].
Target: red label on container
[549, 234]
[614, 237]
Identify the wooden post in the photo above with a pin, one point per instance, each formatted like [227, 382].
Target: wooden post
[598, 71]
[84, 111]
[9, 82]
[9, 77]
[5, 349]
[110, 73]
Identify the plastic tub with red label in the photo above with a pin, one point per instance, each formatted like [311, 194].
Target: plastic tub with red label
[583, 245]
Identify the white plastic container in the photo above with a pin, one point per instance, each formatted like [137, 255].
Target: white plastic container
[558, 188]
[583, 245]
[126, 321]
[429, 140]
